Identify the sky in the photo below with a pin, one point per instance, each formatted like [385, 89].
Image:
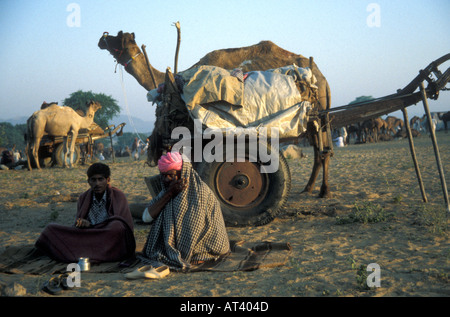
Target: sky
[364, 48]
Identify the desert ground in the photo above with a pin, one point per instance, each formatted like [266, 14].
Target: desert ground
[375, 215]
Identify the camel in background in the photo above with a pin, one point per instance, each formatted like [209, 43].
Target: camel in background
[372, 128]
[55, 120]
[394, 125]
[263, 56]
[445, 118]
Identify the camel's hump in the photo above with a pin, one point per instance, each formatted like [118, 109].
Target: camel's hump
[262, 56]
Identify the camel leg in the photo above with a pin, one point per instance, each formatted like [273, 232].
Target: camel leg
[315, 171]
[28, 152]
[35, 151]
[72, 147]
[314, 141]
[325, 189]
[322, 154]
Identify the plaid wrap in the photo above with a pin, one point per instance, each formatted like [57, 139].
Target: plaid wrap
[189, 229]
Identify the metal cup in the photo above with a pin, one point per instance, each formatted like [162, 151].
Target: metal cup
[84, 264]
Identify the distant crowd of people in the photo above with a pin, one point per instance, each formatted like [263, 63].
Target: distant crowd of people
[11, 158]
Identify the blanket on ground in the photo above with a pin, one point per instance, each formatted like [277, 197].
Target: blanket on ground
[244, 256]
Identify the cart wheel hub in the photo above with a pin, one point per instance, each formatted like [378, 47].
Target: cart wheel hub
[240, 184]
[241, 181]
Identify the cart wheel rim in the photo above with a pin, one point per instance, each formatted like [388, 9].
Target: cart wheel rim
[241, 184]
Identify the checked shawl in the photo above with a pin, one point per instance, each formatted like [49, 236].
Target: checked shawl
[189, 229]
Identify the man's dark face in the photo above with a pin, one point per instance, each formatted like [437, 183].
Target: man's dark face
[98, 183]
[169, 177]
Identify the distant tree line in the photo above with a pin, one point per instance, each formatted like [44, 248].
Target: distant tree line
[11, 135]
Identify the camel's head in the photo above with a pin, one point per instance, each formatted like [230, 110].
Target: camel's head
[123, 46]
[92, 107]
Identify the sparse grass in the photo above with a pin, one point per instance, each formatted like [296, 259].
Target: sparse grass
[398, 199]
[435, 219]
[365, 213]
[361, 274]
[361, 278]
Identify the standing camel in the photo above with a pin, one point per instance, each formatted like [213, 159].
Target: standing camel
[445, 118]
[57, 120]
[373, 128]
[263, 56]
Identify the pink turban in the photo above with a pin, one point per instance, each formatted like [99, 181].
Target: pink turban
[170, 161]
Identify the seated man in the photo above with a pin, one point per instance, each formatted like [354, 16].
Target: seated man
[188, 226]
[103, 230]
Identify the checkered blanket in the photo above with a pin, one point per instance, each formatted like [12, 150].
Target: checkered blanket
[189, 229]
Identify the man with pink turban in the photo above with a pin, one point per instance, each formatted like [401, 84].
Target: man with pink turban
[187, 222]
[170, 161]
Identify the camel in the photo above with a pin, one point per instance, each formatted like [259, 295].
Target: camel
[262, 56]
[372, 128]
[445, 118]
[57, 120]
[393, 124]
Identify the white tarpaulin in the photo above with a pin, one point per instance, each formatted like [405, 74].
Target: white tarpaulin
[228, 99]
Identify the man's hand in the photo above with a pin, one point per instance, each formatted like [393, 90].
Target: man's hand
[177, 186]
[82, 223]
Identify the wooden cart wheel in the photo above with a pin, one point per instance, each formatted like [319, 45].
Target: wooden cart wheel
[247, 196]
[58, 155]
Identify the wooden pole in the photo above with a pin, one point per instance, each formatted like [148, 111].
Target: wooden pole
[149, 66]
[413, 154]
[177, 25]
[436, 149]
[112, 148]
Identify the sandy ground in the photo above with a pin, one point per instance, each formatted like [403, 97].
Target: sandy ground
[376, 215]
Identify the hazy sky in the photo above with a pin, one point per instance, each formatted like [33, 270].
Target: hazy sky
[372, 48]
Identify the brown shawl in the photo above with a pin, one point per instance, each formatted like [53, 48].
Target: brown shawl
[111, 240]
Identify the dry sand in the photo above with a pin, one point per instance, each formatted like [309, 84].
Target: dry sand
[408, 238]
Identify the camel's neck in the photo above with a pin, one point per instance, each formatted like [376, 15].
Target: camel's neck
[88, 119]
[138, 68]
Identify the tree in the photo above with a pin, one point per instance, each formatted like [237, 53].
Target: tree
[12, 135]
[109, 110]
[361, 99]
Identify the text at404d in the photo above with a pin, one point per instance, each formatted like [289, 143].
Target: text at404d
[234, 306]
[246, 306]
[243, 139]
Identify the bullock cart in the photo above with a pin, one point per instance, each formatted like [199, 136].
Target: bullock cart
[51, 149]
[249, 196]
